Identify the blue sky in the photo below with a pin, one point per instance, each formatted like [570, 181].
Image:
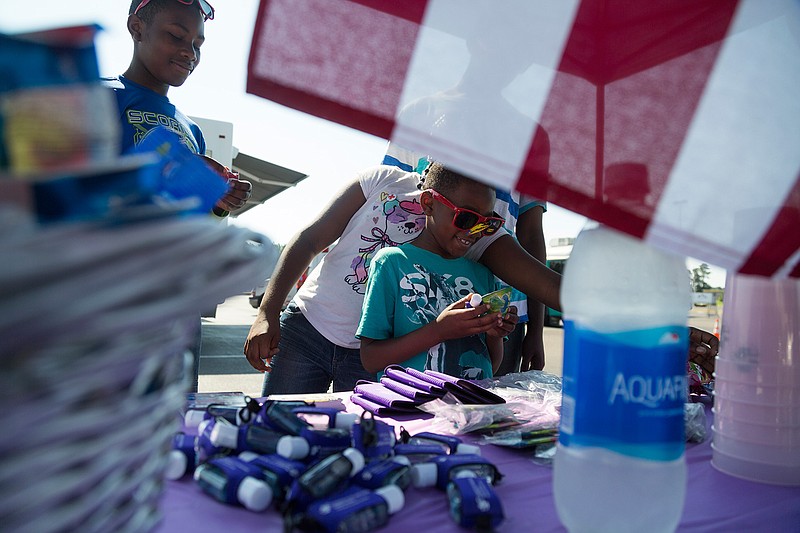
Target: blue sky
[330, 154]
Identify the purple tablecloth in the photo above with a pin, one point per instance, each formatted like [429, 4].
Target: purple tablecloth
[714, 501]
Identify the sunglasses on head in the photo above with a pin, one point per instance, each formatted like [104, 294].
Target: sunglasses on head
[469, 220]
[205, 7]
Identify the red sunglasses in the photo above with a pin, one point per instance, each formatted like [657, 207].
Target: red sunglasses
[469, 220]
[205, 7]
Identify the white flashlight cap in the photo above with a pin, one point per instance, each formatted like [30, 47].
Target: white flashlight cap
[423, 475]
[395, 499]
[355, 457]
[475, 300]
[254, 494]
[193, 417]
[345, 420]
[293, 447]
[224, 435]
[176, 465]
[468, 448]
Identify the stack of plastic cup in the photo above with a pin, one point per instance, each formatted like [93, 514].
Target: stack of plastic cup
[756, 431]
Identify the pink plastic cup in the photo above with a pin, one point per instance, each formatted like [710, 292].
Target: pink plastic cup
[772, 454]
[753, 470]
[757, 394]
[736, 409]
[761, 321]
[771, 375]
[755, 433]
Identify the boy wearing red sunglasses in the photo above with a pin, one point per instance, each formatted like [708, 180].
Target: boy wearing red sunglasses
[415, 309]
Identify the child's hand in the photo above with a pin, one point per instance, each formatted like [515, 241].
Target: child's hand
[458, 320]
[239, 190]
[262, 341]
[703, 347]
[507, 324]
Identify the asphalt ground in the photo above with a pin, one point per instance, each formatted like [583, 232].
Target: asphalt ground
[223, 366]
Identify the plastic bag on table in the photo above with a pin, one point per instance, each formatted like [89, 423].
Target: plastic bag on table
[533, 403]
[694, 418]
[534, 385]
[539, 391]
[451, 417]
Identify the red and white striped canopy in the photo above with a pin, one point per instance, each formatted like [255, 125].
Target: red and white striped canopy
[676, 121]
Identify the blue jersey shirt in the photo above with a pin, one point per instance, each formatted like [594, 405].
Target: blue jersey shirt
[141, 110]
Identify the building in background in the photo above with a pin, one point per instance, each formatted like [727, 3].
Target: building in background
[268, 179]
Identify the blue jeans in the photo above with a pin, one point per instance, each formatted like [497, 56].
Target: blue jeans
[308, 362]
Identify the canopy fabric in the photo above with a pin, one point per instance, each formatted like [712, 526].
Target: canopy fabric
[675, 121]
[268, 179]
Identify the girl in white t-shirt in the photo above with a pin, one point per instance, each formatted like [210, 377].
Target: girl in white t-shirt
[313, 343]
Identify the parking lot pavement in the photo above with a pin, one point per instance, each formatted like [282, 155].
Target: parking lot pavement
[223, 366]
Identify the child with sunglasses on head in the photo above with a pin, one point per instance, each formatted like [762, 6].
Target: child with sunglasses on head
[167, 36]
[417, 308]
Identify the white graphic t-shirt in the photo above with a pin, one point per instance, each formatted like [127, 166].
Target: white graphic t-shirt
[332, 295]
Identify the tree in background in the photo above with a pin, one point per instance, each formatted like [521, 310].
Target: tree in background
[699, 277]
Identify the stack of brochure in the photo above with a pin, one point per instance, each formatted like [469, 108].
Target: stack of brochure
[97, 319]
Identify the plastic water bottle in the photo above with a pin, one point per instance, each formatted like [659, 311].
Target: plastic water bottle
[247, 437]
[384, 472]
[619, 464]
[182, 459]
[278, 472]
[313, 443]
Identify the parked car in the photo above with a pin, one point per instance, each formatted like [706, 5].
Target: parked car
[557, 254]
[257, 293]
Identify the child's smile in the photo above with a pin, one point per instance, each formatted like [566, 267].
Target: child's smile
[441, 235]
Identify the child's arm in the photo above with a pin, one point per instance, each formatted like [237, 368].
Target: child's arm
[377, 354]
[262, 340]
[495, 336]
[495, 347]
[531, 237]
[510, 262]
[454, 322]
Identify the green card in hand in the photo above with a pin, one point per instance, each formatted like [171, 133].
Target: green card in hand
[498, 301]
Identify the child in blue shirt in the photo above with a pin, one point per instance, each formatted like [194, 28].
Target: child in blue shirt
[415, 310]
[167, 36]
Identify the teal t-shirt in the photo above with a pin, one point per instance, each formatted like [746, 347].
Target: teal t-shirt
[409, 287]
